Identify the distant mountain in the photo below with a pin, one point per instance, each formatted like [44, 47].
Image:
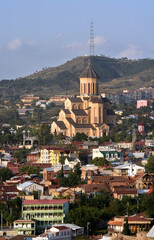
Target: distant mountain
[114, 74]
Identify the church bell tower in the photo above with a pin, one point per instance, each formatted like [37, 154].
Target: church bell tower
[89, 82]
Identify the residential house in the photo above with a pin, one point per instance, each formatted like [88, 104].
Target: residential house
[149, 142]
[45, 212]
[48, 174]
[33, 157]
[95, 188]
[144, 181]
[142, 103]
[124, 145]
[75, 230]
[56, 233]
[24, 227]
[72, 162]
[120, 192]
[128, 169]
[65, 192]
[110, 154]
[138, 223]
[30, 187]
[52, 154]
[108, 179]
[9, 190]
[88, 171]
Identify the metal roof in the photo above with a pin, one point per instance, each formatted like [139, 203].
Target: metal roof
[88, 73]
[25, 184]
[151, 233]
[49, 169]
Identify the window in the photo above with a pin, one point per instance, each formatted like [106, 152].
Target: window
[88, 87]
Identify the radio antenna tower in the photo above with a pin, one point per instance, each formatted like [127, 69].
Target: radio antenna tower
[91, 39]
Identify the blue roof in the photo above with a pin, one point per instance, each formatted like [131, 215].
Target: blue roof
[49, 169]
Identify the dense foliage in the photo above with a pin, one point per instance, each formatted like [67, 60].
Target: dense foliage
[80, 137]
[43, 134]
[73, 178]
[97, 209]
[150, 165]
[11, 210]
[21, 155]
[30, 170]
[5, 174]
[100, 161]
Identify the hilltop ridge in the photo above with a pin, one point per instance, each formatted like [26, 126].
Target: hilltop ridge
[114, 74]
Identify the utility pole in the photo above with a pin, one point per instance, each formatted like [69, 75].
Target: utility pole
[10, 214]
[88, 223]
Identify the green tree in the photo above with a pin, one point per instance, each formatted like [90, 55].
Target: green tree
[147, 204]
[43, 134]
[62, 159]
[126, 230]
[100, 161]
[82, 215]
[149, 167]
[31, 170]
[80, 137]
[5, 174]
[21, 154]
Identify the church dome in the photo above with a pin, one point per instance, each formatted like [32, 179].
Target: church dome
[88, 72]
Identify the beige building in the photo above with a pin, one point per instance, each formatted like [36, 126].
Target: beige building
[88, 113]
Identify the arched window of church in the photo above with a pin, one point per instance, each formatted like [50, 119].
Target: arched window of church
[95, 119]
[88, 87]
[84, 88]
[80, 106]
[93, 88]
[84, 121]
[78, 120]
[96, 88]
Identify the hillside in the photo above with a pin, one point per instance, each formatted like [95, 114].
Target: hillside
[114, 74]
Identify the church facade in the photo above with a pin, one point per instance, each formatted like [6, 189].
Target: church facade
[88, 113]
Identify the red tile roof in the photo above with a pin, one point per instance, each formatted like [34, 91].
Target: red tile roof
[150, 190]
[26, 221]
[125, 191]
[8, 189]
[61, 227]
[115, 223]
[44, 201]
[138, 219]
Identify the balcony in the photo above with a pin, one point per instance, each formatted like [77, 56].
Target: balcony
[43, 211]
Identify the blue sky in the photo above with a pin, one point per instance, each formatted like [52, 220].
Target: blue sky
[40, 33]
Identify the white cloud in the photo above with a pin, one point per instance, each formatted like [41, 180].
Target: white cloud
[15, 44]
[74, 45]
[31, 43]
[99, 40]
[132, 52]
